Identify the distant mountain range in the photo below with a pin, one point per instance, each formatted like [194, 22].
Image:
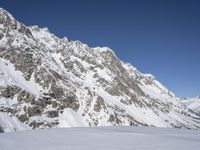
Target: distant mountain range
[48, 82]
[193, 104]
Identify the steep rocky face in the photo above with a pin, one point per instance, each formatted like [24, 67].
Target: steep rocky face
[50, 82]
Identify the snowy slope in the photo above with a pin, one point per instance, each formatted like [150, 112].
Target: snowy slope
[11, 123]
[193, 104]
[48, 82]
[104, 138]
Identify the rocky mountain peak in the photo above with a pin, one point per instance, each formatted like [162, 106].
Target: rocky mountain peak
[49, 82]
[9, 23]
[6, 17]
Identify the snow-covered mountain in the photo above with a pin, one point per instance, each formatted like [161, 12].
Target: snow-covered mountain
[193, 104]
[50, 82]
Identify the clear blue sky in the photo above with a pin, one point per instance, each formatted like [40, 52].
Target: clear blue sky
[161, 37]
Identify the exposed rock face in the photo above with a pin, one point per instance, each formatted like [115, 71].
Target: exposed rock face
[50, 82]
[1, 130]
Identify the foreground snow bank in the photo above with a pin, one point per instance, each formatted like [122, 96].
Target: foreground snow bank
[103, 138]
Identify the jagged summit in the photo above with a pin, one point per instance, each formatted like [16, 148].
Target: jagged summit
[49, 82]
[6, 16]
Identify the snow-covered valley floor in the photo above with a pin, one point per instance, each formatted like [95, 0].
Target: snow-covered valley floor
[102, 138]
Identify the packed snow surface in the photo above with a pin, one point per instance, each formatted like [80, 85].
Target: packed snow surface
[102, 138]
